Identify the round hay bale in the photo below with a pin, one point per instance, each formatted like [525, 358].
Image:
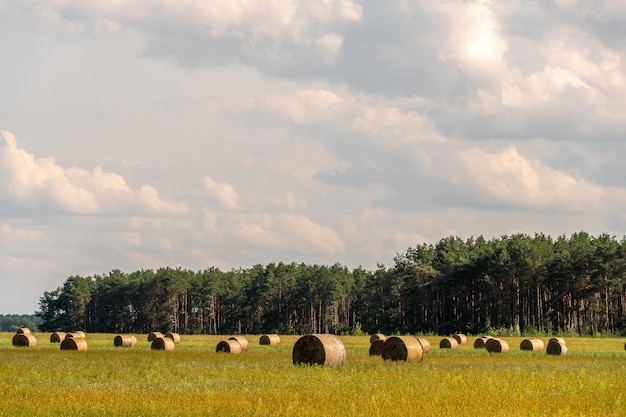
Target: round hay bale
[72, 335]
[319, 349]
[556, 339]
[425, 344]
[376, 347]
[269, 339]
[163, 343]
[461, 339]
[402, 348]
[174, 336]
[74, 343]
[23, 330]
[448, 343]
[229, 346]
[24, 340]
[532, 345]
[154, 335]
[242, 341]
[556, 348]
[377, 336]
[80, 333]
[496, 346]
[125, 340]
[480, 342]
[56, 337]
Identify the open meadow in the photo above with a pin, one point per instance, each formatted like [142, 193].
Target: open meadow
[194, 380]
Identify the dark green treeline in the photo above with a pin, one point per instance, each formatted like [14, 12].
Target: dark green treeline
[519, 282]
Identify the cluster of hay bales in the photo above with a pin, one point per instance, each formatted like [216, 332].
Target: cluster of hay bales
[402, 348]
[24, 338]
[269, 340]
[448, 343]
[533, 345]
[556, 347]
[125, 340]
[234, 345]
[495, 345]
[319, 349]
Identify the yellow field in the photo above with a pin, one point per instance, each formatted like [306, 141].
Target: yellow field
[193, 380]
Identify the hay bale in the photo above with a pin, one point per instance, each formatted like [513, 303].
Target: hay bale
[533, 345]
[377, 336]
[229, 346]
[556, 348]
[269, 339]
[376, 347]
[425, 344]
[24, 340]
[56, 337]
[174, 336]
[74, 343]
[125, 340]
[402, 348]
[154, 335]
[80, 333]
[163, 343]
[448, 343]
[319, 349]
[71, 335]
[242, 341]
[496, 346]
[480, 342]
[556, 339]
[23, 330]
[460, 338]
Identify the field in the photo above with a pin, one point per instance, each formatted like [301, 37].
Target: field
[193, 380]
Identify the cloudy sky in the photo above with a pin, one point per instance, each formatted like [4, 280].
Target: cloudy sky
[195, 133]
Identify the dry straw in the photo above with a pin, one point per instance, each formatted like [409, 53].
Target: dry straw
[174, 336]
[23, 330]
[269, 339]
[376, 347]
[229, 346]
[461, 339]
[125, 340]
[496, 346]
[154, 335]
[480, 342]
[533, 345]
[319, 349]
[24, 340]
[377, 336]
[242, 341]
[56, 337]
[402, 348]
[74, 343]
[425, 344]
[448, 343]
[556, 348]
[163, 343]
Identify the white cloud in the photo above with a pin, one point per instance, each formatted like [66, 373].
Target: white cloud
[224, 193]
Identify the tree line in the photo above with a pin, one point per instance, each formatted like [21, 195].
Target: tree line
[520, 283]
[12, 322]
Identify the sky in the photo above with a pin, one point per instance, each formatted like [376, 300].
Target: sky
[139, 134]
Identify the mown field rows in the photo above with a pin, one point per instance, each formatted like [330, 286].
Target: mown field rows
[194, 380]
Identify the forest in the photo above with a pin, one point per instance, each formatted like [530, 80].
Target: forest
[520, 284]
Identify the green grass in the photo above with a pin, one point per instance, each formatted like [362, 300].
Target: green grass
[193, 380]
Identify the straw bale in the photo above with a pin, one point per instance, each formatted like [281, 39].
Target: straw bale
[377, 336]
[74, 343]
[494, 345]
[319, 349]
[174, 336]
[269, 339]
[229, 346]
[556, 348]
[23, 330]
[56, 337]
[461, 339]
[448, 343]
[376, 347]
[556, 339]
[154, 335]
[163, 343]
[125, 340]
[24, 340]
[75, 334]
[531, 344]
[480, 342]
[242, 341]
[425, 344]
[402, 348]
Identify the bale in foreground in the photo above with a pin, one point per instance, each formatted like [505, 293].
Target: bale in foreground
[125, 340]
[496, 346]
[242, 341]
[319, 349]
[556, 348]
[269, 339]
[163, 343]
[154, 335]
[74, 343]
[376, 347]
[229, 346]
[174, 336]
[531, 344]
[24, 340]
[56, 337]
[448, 343]
[402, 348]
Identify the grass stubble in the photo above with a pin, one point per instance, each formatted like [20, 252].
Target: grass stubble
[195, 380]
